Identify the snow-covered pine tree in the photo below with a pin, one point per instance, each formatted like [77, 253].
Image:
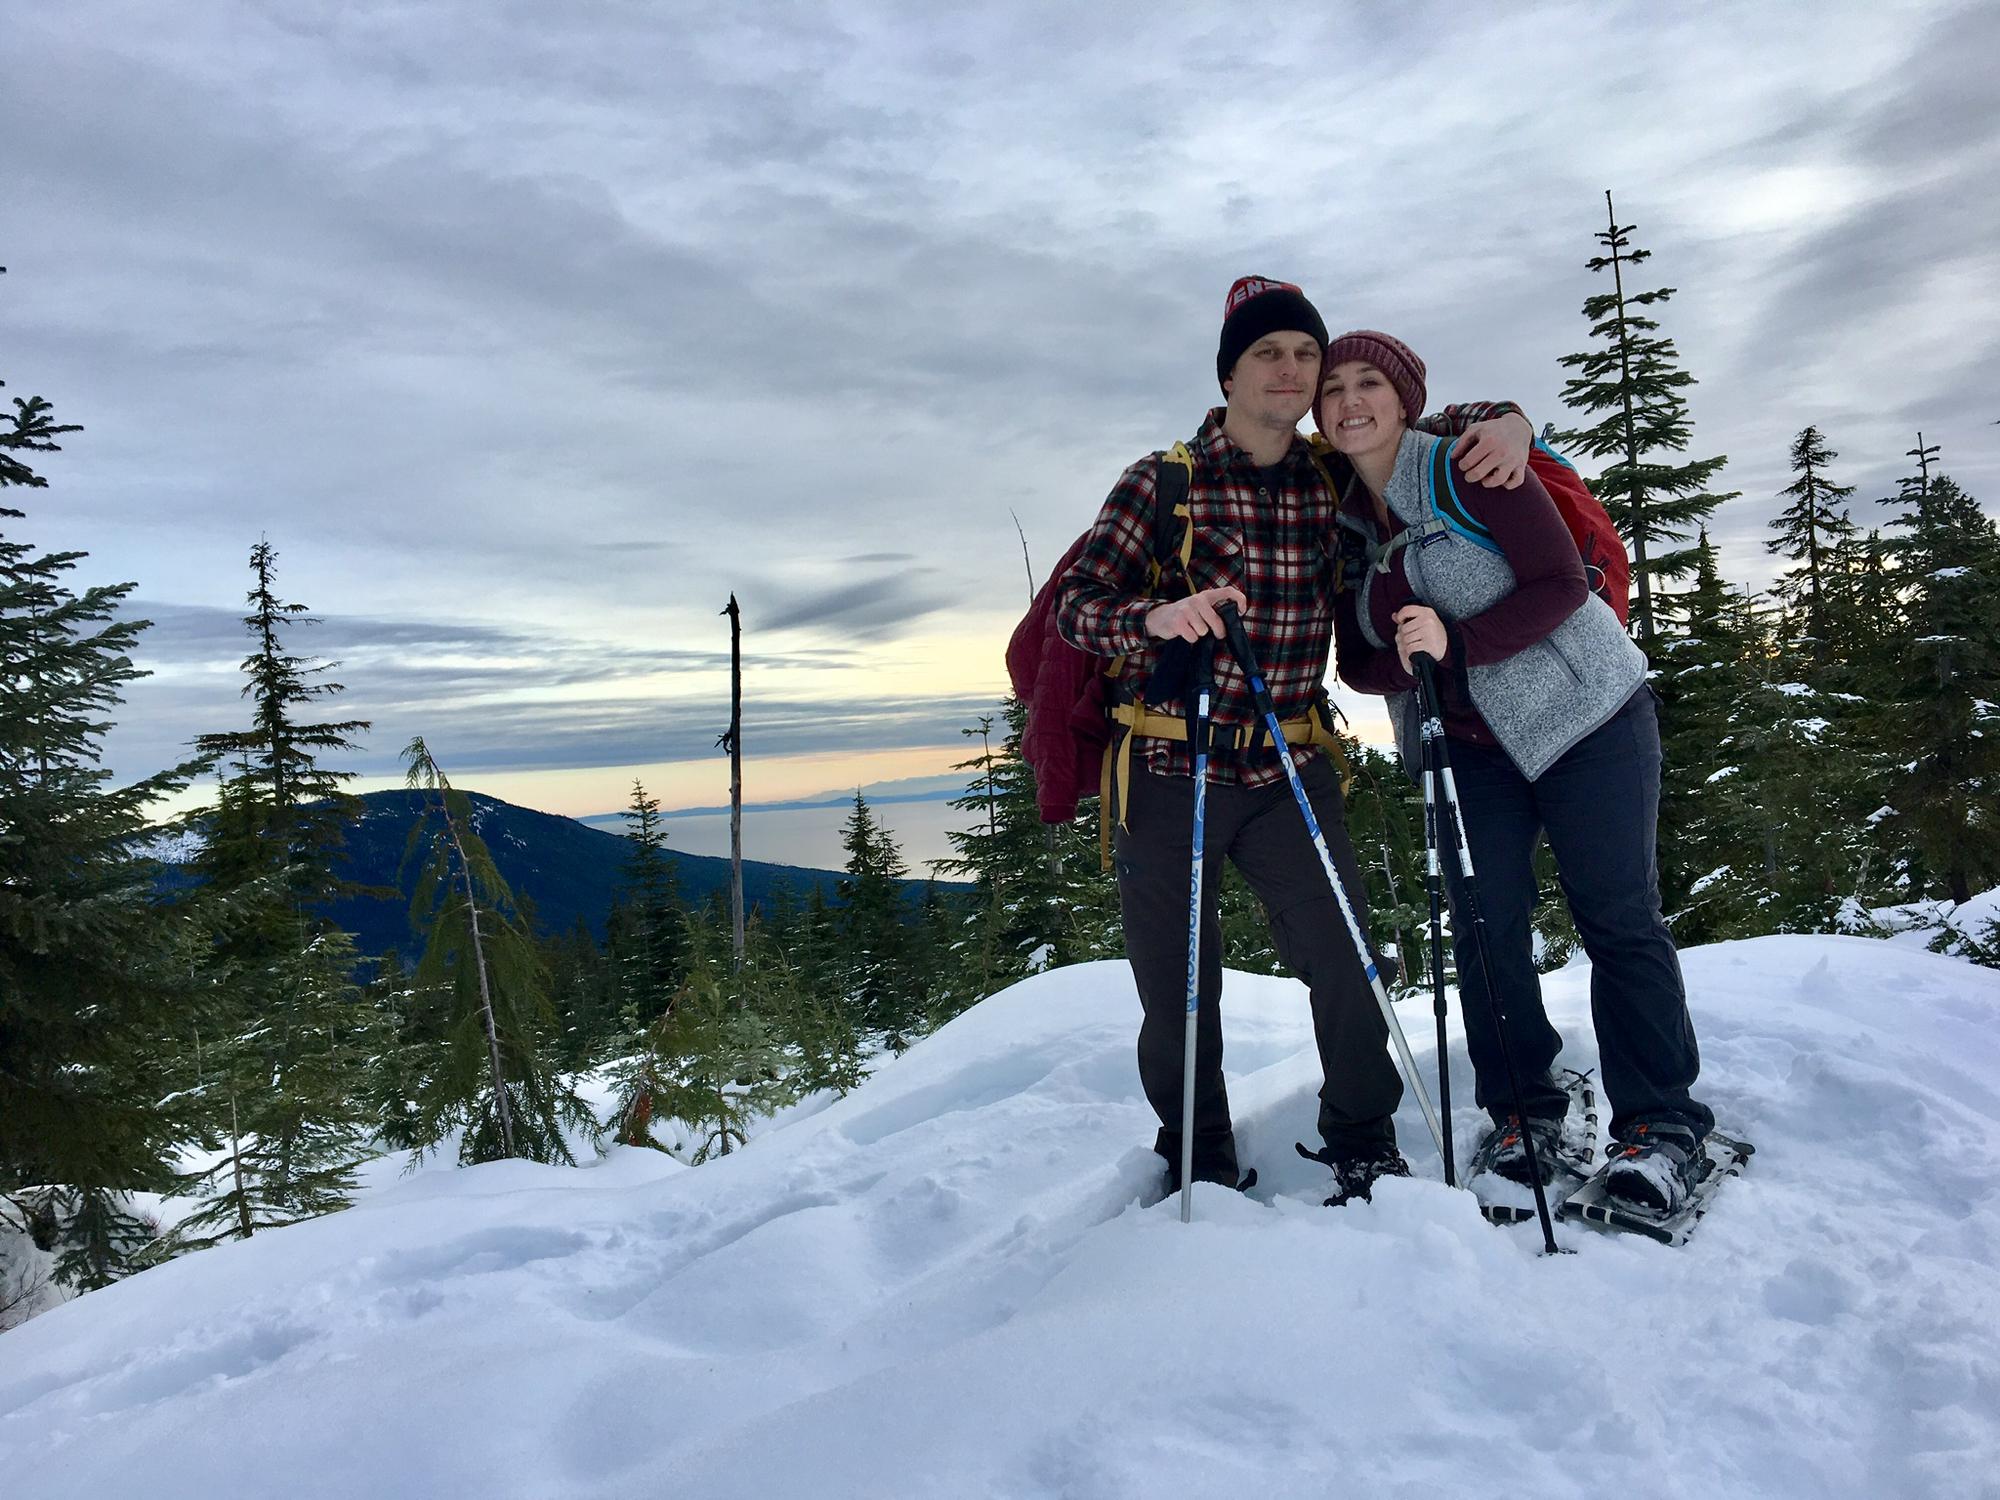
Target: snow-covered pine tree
[96, 967]
[1635, 383]
[1795, 791]
[1709, 860]
[1943, 727]
[1810, 530]
[286, 1023]
[475, 1054]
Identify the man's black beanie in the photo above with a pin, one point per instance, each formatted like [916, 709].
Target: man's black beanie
[1256, 306]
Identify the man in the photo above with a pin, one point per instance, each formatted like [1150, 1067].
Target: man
[1263, 539]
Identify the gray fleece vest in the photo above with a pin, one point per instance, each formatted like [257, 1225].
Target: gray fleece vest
[1539, 701]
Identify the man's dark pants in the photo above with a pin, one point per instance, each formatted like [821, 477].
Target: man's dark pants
[1599, 805]
[1262, 832]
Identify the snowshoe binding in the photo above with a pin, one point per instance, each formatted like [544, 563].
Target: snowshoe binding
[1354, 1177]
[1565, 1147]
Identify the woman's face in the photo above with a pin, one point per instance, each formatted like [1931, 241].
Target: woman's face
[1361, 410]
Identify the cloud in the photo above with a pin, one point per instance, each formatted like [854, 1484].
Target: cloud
[531, 337]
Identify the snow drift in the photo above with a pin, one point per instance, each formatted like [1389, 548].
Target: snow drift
[946, 1285]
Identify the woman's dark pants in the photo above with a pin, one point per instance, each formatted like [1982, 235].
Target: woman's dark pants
[1599, 805]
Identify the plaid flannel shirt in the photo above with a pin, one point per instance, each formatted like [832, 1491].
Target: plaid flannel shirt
[1273, 540]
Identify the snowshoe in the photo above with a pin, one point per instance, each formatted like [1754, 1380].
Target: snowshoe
[1354, 1177]
[1565, 1147]
[1646, 1179]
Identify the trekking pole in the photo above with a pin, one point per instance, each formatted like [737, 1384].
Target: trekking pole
[1203, 686]
[1433, 731]
[1433, 734]
[1246, 658]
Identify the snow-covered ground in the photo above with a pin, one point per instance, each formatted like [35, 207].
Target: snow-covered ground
[945, 1285]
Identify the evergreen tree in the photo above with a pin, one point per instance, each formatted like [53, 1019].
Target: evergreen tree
[651, 959]
[1810, 531]
[812, 943]
[286, 1113]
[475, 1056]
[294, 808]
[715, 1060]
[1385, 819]
[1635, 382]
[581, 992]
[95, 966]
[1944, 727]
[874, 941]
[1040, 896]
[1864, 610]
[286, 1086]
[1705, 851]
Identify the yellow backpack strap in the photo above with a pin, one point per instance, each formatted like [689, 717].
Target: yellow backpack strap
[1179, 454]
[1327, 738]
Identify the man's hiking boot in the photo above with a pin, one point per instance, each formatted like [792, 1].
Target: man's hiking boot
[1655, 1165]
[1221, 1177]
[1355, 1176]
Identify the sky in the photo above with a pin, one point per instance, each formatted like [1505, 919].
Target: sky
[529, 334]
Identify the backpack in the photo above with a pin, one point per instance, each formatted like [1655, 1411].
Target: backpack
[1605, 566]
[1068, 692]
[1084, 712]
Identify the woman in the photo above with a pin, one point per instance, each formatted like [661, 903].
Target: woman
[1552, 728]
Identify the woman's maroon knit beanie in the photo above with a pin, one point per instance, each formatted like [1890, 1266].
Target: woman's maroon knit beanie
[1394, 358]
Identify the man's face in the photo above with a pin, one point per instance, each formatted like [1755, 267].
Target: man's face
[1275, 381]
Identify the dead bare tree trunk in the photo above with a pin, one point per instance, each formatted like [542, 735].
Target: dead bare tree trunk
[485, 989]
[735, 742]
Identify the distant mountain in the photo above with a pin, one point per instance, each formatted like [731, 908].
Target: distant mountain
[563, 869]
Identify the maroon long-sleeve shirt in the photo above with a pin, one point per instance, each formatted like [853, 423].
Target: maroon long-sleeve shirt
[1549, 587]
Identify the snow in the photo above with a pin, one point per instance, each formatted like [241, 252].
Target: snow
[946, 1285]
[1924, 923]
[178, 847]
[1708, 880]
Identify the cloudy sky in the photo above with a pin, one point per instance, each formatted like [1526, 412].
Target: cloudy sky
[527, 333]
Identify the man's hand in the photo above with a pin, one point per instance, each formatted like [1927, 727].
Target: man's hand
[1192, 618]
[1495, 451]
[1418, 628]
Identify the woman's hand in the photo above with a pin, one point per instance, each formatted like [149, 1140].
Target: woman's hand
[1495, 451]
[1418, 628]
[1192, 618]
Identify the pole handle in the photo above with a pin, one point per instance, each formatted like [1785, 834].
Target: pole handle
[1239, 640]
[1426, 666]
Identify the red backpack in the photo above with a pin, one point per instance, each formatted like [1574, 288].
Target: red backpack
[1598, 543]
[1067, 690]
